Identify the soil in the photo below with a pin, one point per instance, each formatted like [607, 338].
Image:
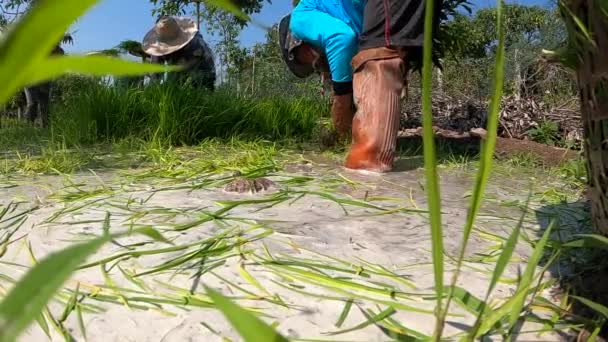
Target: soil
[505, 147]
[302, 229]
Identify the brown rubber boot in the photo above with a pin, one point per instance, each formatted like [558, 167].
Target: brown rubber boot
[378, 84]
[342, 113]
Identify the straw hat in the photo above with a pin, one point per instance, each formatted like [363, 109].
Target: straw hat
[169, 35]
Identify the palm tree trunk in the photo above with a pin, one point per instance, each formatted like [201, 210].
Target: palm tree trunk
[592, 75]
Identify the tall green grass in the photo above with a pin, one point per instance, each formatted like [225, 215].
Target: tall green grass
[177, 114]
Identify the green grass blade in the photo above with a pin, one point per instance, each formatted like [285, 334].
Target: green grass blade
[154, 235]
[526, 279]
[43, 325]
[230, 7]
[331, 282]
[251, 279]
[344, 313]
[588, 241]
[487, 152]
[30, 295]
[507, 252]
[468, 301]
[91, 65]
[499, 313]
[81, 326]
[250, 327]
[599, 308]
[430, 163]
[501, 265]
[33, 38]
[514, 305]
[372, 320]
[411, 334]
[70, 305]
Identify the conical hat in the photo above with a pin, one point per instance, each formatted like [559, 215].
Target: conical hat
[169, 35]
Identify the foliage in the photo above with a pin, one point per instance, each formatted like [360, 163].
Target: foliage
[176, 114]
[529, 24]
[210, 8]
[547, 133]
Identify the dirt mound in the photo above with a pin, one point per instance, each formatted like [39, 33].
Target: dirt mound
[505, 147]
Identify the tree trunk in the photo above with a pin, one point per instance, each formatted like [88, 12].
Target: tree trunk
[198, 15]
[440, 80]
[518, 78]
[592, 77]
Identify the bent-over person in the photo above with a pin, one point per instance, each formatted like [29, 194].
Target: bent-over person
[177, 41]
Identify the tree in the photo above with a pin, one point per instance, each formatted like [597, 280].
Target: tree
[227, 27]
[12, 10]
[200, 7]
[587, 53]
[530, 29]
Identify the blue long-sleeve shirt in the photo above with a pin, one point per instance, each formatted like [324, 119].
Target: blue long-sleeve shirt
[334, 26]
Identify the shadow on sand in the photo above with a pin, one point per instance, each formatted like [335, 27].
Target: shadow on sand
[580, 271]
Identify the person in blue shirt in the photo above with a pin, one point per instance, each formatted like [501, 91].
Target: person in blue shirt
[368, 47]
[323, 36]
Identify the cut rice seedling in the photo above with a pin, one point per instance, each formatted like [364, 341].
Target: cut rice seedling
[371, 320]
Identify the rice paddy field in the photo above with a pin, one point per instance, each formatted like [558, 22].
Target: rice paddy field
[166, 213]
[325, 254]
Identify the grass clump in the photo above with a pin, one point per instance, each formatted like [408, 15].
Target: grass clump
[180, 115]
[546, 133]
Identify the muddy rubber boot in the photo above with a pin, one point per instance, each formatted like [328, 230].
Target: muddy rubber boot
[342, 113]
[378, 84]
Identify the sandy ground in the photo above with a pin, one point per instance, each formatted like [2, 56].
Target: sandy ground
[312, 228]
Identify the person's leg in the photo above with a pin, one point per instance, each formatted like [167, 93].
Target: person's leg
[391, 29]
[45, 97]
[31, 109]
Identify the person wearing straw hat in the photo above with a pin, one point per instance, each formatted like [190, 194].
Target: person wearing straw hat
[322, 36]
[177, 41]
[370, 46]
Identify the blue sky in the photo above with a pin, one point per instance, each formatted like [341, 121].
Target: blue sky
[114, 20]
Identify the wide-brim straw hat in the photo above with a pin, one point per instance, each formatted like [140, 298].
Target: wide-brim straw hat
[169, 35]
[288, 43]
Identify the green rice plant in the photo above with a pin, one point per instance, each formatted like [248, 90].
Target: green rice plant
[25, 302]
[18, 135]
[485, 164]
[173, 114]
[430, 166]
[55, 158]
[251, 328]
